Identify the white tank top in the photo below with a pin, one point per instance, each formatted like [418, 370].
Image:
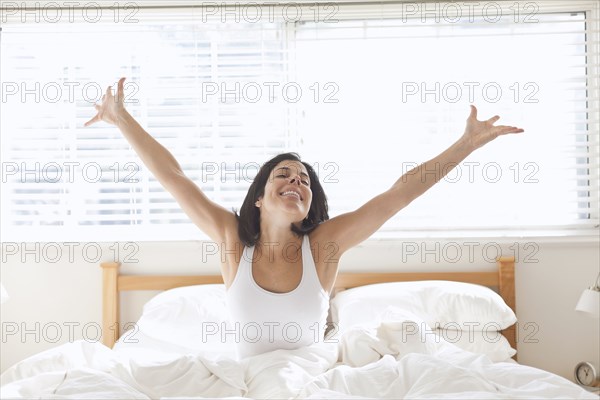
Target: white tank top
[263, 321]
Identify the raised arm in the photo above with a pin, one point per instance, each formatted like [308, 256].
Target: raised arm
[211, 218]
[349, 229]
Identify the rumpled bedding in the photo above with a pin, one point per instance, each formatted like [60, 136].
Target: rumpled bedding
[381, 362]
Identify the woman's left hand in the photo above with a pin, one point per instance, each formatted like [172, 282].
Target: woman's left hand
[477, 133]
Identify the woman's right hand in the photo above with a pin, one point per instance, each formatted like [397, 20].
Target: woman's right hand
[112, 109]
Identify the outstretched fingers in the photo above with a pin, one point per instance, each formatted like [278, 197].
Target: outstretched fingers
[110, 105]
[95, 119]
[498, 130]
[473, 114]
[108, 95]
[120, 89]
[503, 129]
[493, 119]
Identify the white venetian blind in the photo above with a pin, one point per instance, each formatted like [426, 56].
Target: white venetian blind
[405, 78]
[384, 88]
[61, 180]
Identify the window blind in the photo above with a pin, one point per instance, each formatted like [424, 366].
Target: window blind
[383, 88]
[407, 85]
[81, 183]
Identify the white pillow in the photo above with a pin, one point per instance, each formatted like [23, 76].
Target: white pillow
[489, 341]
[401, 333]
[442, 304]
[188, 319]
[492, 344]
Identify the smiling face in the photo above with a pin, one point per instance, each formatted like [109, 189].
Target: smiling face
[287, 192]
[282, 198]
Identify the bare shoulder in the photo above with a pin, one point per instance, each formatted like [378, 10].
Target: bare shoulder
[325, 249]
[326, 254]
[334, 233]
[349, 229]
[229, 249]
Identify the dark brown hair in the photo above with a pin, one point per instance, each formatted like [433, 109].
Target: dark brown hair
[249, 218]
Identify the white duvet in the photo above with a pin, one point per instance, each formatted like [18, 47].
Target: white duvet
[367, 363]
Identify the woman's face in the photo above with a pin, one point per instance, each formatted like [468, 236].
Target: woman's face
[288, 190]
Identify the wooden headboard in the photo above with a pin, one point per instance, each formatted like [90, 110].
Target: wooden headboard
[112, 283]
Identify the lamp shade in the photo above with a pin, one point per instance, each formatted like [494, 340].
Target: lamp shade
[589, 302]
[3, 294]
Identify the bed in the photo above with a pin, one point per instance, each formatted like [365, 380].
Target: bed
[393, 335]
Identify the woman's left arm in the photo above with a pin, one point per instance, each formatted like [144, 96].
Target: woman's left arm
[418, 180]
[349, 229]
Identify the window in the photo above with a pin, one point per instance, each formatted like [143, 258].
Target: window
[363, 93]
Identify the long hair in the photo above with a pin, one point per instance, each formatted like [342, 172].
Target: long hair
[249, 218]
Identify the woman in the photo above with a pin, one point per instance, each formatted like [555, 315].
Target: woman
[280, 256]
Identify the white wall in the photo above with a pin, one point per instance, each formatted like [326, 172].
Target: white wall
[61, 297]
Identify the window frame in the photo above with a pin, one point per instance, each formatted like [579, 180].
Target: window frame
[593, 61]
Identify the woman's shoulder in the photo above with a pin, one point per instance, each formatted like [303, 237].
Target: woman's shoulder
[324, 247]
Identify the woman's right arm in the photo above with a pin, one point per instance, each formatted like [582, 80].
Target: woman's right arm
[214, 220]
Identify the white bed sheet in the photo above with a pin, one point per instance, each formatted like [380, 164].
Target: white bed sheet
[365, 364]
